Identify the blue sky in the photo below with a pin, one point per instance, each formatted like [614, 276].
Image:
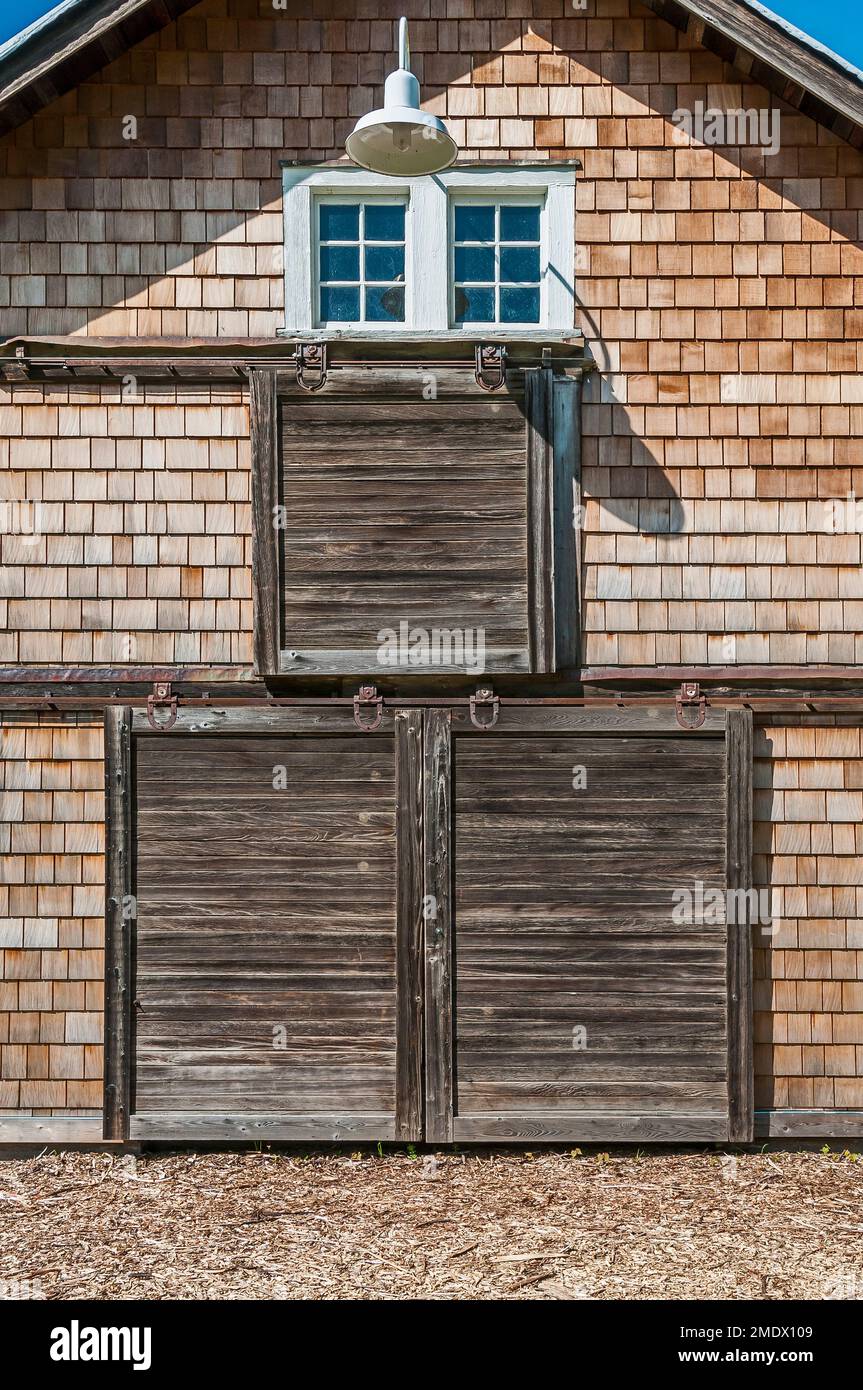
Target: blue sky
[836, 23]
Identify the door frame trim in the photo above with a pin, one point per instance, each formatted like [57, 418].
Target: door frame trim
[738, 882]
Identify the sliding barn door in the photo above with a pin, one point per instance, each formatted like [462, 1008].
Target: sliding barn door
[272, 927]
[538, 930]
[583, 979]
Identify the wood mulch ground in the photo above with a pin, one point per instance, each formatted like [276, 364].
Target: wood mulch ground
[482, 1225]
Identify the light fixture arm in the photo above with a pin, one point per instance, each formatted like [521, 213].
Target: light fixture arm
[401, 138]
[404, 45]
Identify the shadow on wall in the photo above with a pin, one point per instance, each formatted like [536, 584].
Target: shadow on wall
[634, 486]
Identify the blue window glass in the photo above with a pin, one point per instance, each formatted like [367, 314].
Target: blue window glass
[385, 302]
[474, 223]
[520, 263]
[339, 221]
[474, 263]
[385, 222]
[340, 263]
[340, 303]
[474, 304]
[497, 266]
[519, 306]
[361, 259]
[385, 262]
[519, 223]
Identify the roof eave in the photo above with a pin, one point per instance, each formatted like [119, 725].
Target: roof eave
[776, 56]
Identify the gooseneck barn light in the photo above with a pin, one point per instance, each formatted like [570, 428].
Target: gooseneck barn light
[401, 139]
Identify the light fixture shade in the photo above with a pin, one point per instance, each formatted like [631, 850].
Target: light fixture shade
[400, 138]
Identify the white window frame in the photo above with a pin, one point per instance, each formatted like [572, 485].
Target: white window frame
[428, 243]
[494, 198]
[367, 198]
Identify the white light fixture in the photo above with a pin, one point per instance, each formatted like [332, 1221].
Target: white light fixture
[400, 139]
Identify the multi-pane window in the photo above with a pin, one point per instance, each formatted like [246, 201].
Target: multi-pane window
[496, 262]
[361, 261]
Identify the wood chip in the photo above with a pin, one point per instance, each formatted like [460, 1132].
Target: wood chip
[328, 1225]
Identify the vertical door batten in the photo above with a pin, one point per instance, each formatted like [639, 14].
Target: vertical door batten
[437, 834]
[119, 921]
[567, 522]
[263, 421]
[539, 410]
[409, 924]
[741, 1081]
[552, 409]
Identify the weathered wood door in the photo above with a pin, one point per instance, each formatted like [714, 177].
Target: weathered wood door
[271, 950]
[582, 981]
[406, 521]
[276, 874]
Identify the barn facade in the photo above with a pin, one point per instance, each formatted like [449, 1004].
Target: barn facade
[432, 606]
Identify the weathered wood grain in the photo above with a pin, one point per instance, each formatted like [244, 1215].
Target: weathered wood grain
[437, 833]
[263, 409]
[191, 1126]
[539, 409]
[566, 520]
[808, 1124]
[409, 924]
[738, 792]
[576, 994]
[405, 503]
[119, 922]
[590, 1128]
[278, 719]
[653, 719]
[272, 908]
[51, 1129]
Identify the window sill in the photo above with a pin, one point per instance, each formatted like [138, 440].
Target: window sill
[476, 334]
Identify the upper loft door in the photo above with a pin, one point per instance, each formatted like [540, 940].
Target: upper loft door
[410, 521]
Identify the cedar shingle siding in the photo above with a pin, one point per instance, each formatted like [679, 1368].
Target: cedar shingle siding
[52, 904]
[720, 291]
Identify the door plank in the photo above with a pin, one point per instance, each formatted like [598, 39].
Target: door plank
[119, 919]
[438, 929]
[263, 411]
[741, 1082]
[409, 924]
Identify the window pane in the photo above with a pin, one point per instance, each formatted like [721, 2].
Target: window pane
[385, 222]
[474, 263]
[385, 302]
[474, 223]
[340, 263]
[339, 304]
[519, 223]
[340, 221]
[474, 305]
[519, 263]
[519, 306]
[385, 262]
